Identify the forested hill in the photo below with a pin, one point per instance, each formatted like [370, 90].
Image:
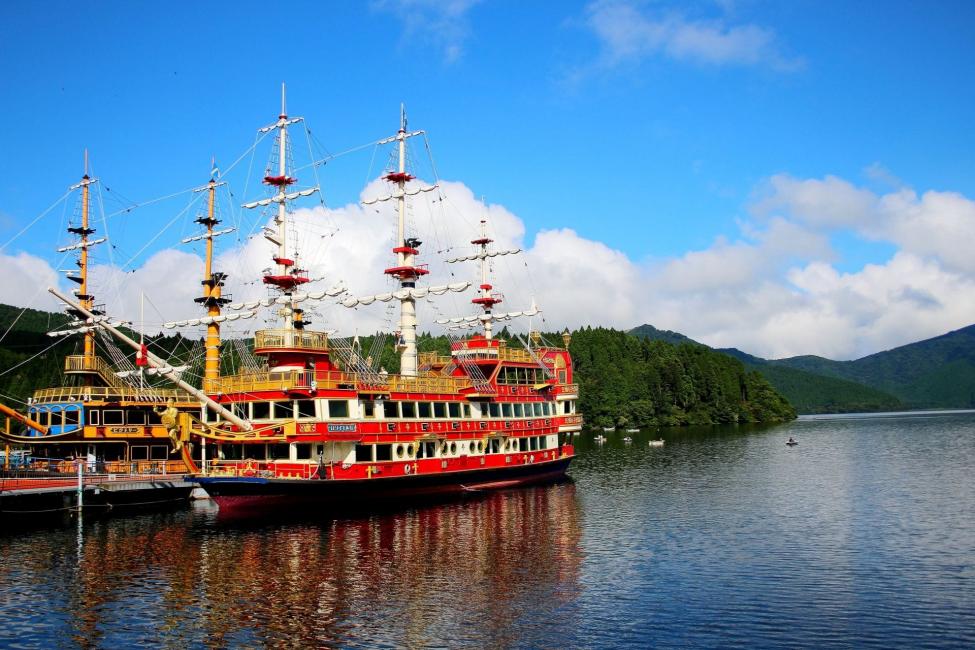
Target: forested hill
[934, 373]
[26, 337]
[625, 380]
[808, 392]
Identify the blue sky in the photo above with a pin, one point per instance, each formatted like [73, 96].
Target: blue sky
[652, 128]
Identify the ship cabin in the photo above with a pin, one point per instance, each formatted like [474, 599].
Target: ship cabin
[484, 405]
[103, 419]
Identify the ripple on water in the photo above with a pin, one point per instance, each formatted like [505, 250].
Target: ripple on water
[862, 536]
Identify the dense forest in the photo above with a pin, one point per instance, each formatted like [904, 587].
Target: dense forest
[624, 380]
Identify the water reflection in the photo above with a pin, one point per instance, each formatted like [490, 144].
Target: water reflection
[468, 572]
[862, 536]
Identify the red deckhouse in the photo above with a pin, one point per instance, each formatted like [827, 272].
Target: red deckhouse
[321, 423]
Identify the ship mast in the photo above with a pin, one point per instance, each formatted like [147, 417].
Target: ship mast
[486, 300]
[213, 282]
[85, 298]
[406, 250]
[286, 276]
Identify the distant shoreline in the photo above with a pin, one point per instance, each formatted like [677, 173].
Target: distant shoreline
[883, 414]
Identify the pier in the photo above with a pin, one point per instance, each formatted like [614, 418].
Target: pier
[30, 494]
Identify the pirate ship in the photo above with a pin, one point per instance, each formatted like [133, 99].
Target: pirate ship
[318, 423]
[106, 411]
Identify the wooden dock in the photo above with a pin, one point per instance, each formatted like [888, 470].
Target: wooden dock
[31, 495]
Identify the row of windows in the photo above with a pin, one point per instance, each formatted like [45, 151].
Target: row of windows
[301, 409]
[333, 409]
[57, 418]
[528, 376]
[382, 452]
[446, 448]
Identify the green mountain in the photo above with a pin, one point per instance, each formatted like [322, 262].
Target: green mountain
[934, 373]
[810, 392]
[650, 332]
[807, 390]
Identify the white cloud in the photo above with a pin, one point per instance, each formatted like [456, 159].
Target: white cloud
[25, 281]
[938, 224]
[629, 33]
[443, 23]
[773, 291]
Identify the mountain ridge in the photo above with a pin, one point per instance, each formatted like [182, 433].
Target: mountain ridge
[938, 372]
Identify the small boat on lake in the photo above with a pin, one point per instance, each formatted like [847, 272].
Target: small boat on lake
[657, 443]
[633, 431]
[792, 442]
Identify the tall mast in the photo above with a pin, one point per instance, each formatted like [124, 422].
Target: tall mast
[213, 281]
[486, 300]
[83, 294]
[87, 300]
[286, 275]
[406, 251]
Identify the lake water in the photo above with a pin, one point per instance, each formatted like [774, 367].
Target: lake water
[861, 536]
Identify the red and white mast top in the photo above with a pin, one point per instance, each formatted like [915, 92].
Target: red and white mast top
[286, 275]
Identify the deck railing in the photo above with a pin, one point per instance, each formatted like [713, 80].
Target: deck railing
[290, 339]
[309, 379]
[126, 393]
[81, 363]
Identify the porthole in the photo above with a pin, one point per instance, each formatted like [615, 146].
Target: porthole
[453, 448]
[399, 451]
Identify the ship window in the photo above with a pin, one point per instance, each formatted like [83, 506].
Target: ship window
[368, 409]
[113, 417]
[232, 452]
[453, 408]
[136, 417]
[280, 451]
[522, 444]
[538, 409]
[363, 453]
[467, 411]
[140, 452]
[158, 452]
[409, 409]
[391, 409]
[72, 417]
[439, 410]
[338, 408]
[506, 410]
[429, 449]
[261, 410]
[453, 448]
[282, 410]
[399, 451]
[384, 452]
[494, 409]
[94, 417]
[519, 410]
[305, 408]
[561, 376]
[303, 452]
[424, 409]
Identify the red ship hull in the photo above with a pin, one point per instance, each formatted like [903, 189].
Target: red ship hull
[250, 494]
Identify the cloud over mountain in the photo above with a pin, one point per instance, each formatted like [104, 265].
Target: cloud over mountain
[774, 290]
